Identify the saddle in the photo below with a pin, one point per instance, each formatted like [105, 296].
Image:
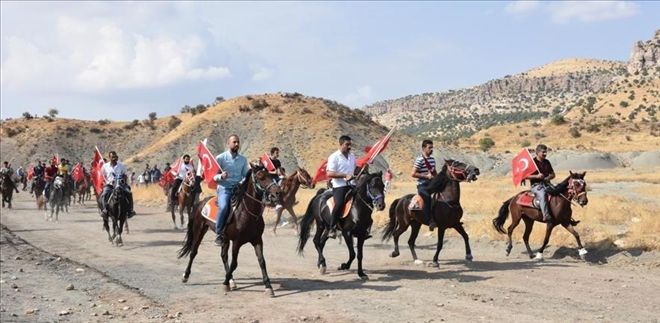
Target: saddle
[416, 203]
[528, 199]
[330, 203]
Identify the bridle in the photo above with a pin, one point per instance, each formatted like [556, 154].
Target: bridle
[259, 191]
[301, 179]
[576, 188]
[455, 173]
[373, 198]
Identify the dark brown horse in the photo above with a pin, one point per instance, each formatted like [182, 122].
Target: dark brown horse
[446, 210]
[7, 187]
[184, 200]
[572, 188]
[82, 189]
[244, 224]
[38, 185]
[369, 195]
[290, 186]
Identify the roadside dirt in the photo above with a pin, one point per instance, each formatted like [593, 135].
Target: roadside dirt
[141, 281]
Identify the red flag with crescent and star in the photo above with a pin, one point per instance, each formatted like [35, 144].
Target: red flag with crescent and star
[321, 173]
[209, 165]
[267, 162]
[97, 175]
[522, 166]
[77, 173]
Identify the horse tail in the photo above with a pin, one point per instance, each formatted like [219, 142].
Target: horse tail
[391, 225]
[306, 223]
[190, 234]
[498, 222]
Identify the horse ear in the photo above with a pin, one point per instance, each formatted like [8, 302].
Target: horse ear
[583, 174]
[570, 173]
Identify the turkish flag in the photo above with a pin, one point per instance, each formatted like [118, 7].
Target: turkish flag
[522, 166]
[265, 160]
[321, 173]
[97, 175]
[210, 166]
[56, 159]
[77, 173]
[375, 150]
[166, 179]
[30, 172]
[174, 169]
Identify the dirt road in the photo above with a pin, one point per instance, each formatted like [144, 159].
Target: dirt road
[141, 281]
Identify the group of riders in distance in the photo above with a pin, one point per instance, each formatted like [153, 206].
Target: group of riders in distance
[245, 189]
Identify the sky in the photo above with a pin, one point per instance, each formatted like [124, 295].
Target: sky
[123, 60]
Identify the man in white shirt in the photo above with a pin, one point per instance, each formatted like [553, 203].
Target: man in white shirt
[185, 168]
[341, 166]
[114, 169]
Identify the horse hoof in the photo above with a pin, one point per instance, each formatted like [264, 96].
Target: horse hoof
[227, 288]
[468, 257]
[394, 254]
[322, 270]
[269, 292]
[418, 262]
[583, 253]
[434, 264]
[232, 284]
[363, 276]
[184, 279]
[539, 256]
[343, 267]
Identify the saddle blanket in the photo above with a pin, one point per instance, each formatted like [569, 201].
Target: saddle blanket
[330, 203]
[527, 199]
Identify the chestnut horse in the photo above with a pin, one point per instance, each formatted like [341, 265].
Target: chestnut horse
[572, 188]
[369, 195]
[244, 224]
[446, 210]
[290, 187]
[185, 199]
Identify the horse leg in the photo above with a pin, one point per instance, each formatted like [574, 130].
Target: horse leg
[193, 253]
[122, 220]
[400, 229]
[259, 251]
[319, 243]
[548, 231]
[415, 226]
[234, 263]
[438, 247]
[278, 216]
[581, 250]
[182, 208]
[351, 252]
[293, 215]
[172, 210]
[106, 226]
[529, 224]
[361, 273]
[515, 220]
[468, 252]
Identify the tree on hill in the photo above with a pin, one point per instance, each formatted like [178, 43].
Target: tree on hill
[27, 116]
[53, 113]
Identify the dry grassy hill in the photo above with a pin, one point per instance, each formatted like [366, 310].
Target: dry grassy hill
[305, 128]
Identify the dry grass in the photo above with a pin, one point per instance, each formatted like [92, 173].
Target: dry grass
[607, 217]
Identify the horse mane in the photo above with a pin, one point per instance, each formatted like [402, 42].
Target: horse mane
[439, 182]
[241, 189]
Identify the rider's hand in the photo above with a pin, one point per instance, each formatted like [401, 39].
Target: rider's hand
[348, 177]
[224, 175]
[429, 176]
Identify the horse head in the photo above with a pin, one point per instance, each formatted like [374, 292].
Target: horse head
[304, 178]
[577, 188]
[461, 172]
[375, 189]
[265, 185]
[58, 182]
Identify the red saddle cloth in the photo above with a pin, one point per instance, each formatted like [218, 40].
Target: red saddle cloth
[347, 206]
[526, 199]
[416, 203]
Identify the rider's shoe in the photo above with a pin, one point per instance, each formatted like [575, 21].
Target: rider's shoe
[219, 240]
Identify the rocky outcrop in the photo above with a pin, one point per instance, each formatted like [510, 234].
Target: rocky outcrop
[645, 55]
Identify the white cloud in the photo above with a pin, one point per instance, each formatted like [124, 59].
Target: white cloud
[363, 95]
[91, 56]
[522, 7]
[260, 73]
[591, 11]
[583, 11]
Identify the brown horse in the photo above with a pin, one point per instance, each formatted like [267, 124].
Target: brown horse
[184, 200]
[446, 210]
[7, 187]
[38, 185]
[244, 224]
[290, 187]
[572, 188]
[82, 189]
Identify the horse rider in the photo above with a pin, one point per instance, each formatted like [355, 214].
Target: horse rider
[540, 180]
[234, 169]
[185, 168]
[20, 173]
[424, 170]
[341, 167]
[115, 169]
[6, 169]
[278, 173]
[37, 175]
[388, 179]
[49, 175]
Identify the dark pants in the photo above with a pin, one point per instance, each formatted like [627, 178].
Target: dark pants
[47, 190]
[105, 196]
[175, 188]
[339, 196]
[428, 215]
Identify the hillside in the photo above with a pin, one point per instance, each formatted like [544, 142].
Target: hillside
[583, 90]
[305, 128]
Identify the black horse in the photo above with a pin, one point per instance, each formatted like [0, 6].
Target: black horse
[118, 208]
[369, 194]
[7, 187]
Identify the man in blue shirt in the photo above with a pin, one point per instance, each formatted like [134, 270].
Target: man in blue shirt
[234, 168]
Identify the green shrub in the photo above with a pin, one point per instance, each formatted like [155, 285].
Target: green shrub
[486, 143]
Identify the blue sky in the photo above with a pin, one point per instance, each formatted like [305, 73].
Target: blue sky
[123, 60]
